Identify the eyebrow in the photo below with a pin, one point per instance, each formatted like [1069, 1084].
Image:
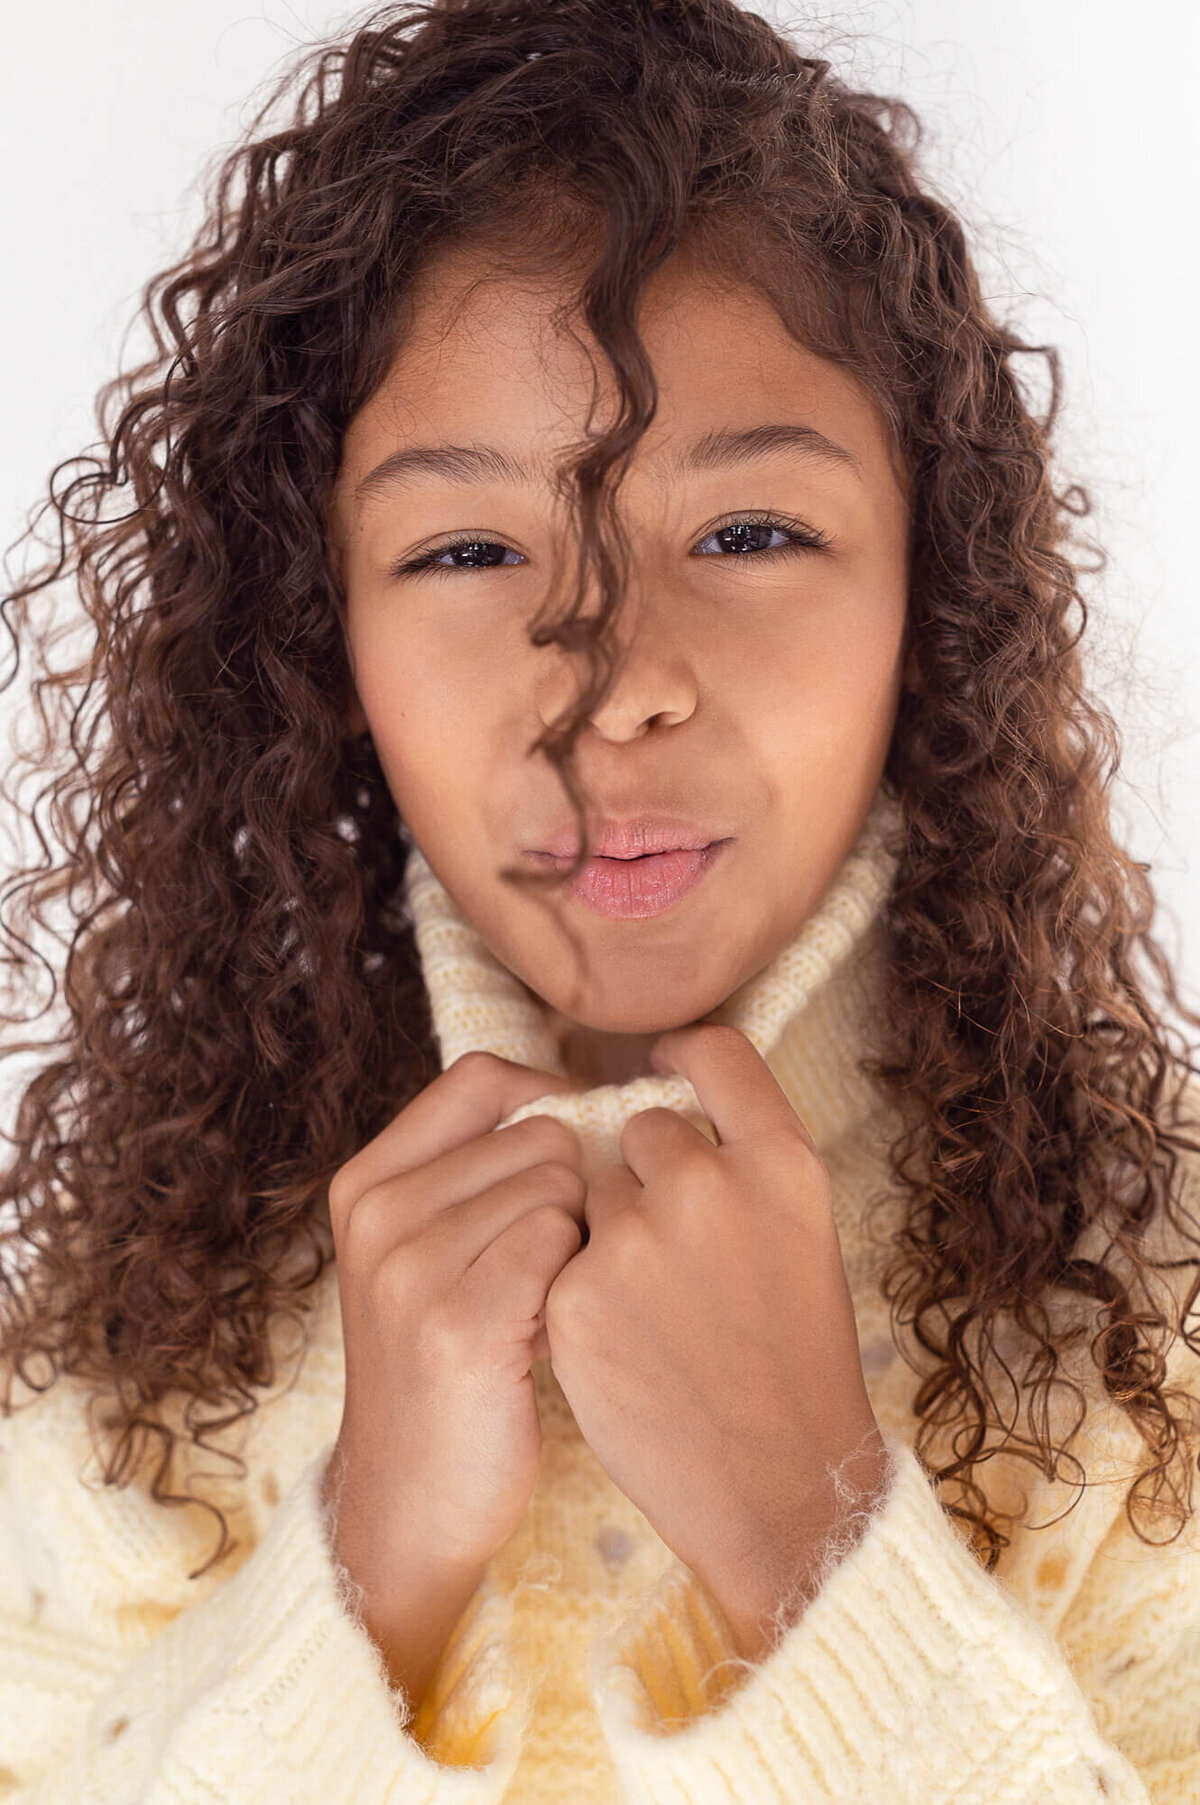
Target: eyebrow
[714, 450]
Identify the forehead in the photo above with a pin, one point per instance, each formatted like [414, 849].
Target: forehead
[491, 354]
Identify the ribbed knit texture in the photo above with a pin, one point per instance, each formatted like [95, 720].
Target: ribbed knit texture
[590, 1665]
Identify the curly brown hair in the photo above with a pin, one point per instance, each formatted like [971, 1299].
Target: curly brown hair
[244, 996]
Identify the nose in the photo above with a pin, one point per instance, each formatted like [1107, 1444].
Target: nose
[653, 681]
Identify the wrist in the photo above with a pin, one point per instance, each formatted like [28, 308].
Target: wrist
[411, 1608]
[768, 1590]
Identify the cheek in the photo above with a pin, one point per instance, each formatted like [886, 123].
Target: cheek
[860, 686]
[431, 719]
[823, 707]
[415, 670]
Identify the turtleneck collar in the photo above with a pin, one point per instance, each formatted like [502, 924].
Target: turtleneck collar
[811, 1011]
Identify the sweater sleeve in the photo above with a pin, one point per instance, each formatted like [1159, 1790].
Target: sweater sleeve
[266, 1687]
[911, 1675]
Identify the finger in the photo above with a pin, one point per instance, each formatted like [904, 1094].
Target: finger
[468, 1099]
[657, 1137]
[737, 1089]
[610, 1190]
[488, 1160]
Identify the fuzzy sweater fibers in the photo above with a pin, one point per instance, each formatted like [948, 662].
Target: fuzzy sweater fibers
[590, 1666]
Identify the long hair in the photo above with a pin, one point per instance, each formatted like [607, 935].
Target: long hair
[244, 998]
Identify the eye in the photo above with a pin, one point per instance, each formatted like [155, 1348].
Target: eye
[477, 554]
[749, 536]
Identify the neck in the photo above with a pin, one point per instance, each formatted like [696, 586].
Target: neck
[590, 1056]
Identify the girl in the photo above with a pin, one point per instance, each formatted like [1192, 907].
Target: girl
[609, 1222]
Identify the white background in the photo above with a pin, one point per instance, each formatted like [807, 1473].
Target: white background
[1065, 129]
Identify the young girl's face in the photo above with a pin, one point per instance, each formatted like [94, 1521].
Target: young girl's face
[755, 696]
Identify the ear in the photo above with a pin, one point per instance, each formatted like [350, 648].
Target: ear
[356, 720]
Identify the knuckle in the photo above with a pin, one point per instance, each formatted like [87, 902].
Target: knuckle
[541, 1218]
[442, 1338]
[548, 1134]
[341, 1190]
[352, 1229]
[381, 1247]
[368, 1229]
[559, 1179]
[562, 1299]
[548, 1219]
[392, 1272]
[630, 1244]
[392, 1288]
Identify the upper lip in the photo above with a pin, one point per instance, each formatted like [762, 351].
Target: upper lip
[631, 838]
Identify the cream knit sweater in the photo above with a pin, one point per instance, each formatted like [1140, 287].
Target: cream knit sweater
[589, 1666]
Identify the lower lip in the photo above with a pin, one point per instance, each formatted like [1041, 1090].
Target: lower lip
[634, 889]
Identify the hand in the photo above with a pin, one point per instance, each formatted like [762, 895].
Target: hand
[448, 1233]
[704, 1335]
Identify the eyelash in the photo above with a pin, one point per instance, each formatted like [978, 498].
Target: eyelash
[801, 538]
